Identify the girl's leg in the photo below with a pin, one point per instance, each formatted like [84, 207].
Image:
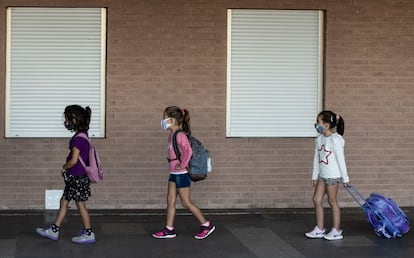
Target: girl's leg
[52, 232]
[63, 209]
[185, 198]
[171, 199]
[317, 201]
[332, 192]
[84, 214]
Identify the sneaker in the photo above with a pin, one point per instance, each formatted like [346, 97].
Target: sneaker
[316, 233]
[334, 235]
[205, 231]
[165, 233]
[84, 238]
[48, 233]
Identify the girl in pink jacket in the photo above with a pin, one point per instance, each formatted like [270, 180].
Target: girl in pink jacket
[179, 181]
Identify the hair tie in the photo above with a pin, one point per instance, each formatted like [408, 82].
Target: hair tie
[183, 111]
[337, 118]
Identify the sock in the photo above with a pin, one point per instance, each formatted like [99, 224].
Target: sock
[88, 231]
[170, 228]
[337, 231]
[207, 224]
[55, 228]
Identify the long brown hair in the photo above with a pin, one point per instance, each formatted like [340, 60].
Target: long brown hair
[181, 115]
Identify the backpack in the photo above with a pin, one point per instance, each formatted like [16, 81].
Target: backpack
[94, 170]
[384, 215]
[201, 161]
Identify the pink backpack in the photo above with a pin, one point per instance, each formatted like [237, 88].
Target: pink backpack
[94, 170]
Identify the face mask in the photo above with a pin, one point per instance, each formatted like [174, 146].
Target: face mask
[69, 125]
[164, 124]
[319, 128]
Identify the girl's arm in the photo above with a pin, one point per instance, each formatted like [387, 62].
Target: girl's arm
[72, 162]
[185, 150]
[338, 150]
[315, 172]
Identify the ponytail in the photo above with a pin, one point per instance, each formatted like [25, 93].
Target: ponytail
[340, 125]
[88, 116]
[186, 121]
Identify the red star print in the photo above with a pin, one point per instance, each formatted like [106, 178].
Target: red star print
[324, 154]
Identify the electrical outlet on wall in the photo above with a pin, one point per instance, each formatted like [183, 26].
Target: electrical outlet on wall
[52, 199]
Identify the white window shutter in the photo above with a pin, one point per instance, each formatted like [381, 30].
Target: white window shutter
[55, 57]
[275, 72]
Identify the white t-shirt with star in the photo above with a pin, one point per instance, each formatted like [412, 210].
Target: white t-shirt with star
[329, 158]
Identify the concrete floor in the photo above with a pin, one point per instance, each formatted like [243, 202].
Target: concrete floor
[239, 233]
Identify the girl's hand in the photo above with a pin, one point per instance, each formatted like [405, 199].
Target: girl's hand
[178, 166]
[314, 183]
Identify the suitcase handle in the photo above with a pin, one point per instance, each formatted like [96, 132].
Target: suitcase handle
[356, 195]
[359, 198]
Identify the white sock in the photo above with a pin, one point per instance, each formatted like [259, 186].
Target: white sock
[169, 228]
[207, 224]
[337, 231]
[319, 230]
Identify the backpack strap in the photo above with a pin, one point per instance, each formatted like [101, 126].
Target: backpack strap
[84, 136]
[175, 146]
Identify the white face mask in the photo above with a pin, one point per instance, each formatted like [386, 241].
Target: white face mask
[164, 124]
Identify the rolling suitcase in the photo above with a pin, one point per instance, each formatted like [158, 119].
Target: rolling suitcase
[382, 213]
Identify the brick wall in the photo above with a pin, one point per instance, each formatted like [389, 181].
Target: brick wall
[159, 49]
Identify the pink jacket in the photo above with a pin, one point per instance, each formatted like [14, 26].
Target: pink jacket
[185, 150]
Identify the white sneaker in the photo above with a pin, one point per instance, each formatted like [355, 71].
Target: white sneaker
[316, 233]
[48, 232]
[84, 238]
[334, 235]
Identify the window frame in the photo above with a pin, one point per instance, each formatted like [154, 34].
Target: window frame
[98, 129]
[310, 132]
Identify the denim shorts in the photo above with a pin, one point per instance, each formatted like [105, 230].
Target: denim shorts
[181, 181]
[330, 181]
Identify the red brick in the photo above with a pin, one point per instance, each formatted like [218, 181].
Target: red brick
[174, 53]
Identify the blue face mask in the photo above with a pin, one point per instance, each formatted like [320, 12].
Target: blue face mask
[164, 124]
[319, 128]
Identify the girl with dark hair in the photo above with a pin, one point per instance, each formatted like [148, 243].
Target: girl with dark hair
[77, 185]
[179, 181]
[329, 170]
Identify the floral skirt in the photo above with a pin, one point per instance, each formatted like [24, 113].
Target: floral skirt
[77, 188]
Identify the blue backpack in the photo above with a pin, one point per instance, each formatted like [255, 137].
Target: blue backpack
[384, 215]
[201, 161]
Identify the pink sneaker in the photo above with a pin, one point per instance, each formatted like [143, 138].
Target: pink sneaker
[165, 233]
[205, 231]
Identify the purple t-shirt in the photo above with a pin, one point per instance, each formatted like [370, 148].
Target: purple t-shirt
[83, 146]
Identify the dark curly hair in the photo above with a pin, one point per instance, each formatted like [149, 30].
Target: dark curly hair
[81, 117]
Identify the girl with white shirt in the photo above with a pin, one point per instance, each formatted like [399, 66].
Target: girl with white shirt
[329, 170]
